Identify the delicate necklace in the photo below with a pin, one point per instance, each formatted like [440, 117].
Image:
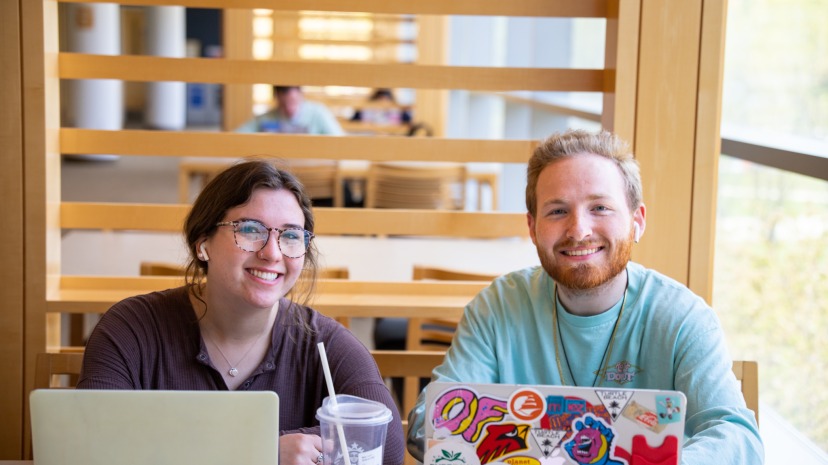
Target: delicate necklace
[233, 371]
[556, 329]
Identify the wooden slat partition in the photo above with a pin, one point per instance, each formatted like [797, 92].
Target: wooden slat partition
[646, 42]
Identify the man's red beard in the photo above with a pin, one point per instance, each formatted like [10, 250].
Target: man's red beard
[585, 276]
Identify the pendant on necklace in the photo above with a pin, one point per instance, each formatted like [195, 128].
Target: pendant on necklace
[233, 372]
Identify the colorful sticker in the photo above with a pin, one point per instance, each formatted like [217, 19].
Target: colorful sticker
[502, 439]
[592, 442]
[643, 417]
[461, 412]
[561, 411]
[451, 453]
[668, 409]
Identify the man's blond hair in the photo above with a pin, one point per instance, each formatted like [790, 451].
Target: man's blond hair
[577, 142]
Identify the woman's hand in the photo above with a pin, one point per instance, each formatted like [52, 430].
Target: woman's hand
[300, 449]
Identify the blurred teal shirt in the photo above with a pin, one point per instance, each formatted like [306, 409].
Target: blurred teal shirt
[312, 118]
[667, 338]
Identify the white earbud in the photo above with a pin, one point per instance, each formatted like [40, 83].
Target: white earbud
[204, 255]
[637, 234]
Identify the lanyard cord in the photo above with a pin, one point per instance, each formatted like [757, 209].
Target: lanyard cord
[558, 336]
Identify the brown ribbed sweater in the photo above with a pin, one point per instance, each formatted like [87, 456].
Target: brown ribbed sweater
[153, 341]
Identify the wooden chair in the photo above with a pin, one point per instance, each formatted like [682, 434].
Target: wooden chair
[407, 364]
[431, 333]
[747, 372]
[57, 370]
[440, 186]
[319, 177]
[436, 333]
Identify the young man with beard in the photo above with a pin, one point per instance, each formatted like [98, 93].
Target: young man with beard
[591, 317]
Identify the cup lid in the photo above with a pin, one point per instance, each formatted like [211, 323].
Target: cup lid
[352, 410]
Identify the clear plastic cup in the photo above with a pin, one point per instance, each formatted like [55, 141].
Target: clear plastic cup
[363, 423]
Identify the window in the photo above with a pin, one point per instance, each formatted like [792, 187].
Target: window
[771, 272]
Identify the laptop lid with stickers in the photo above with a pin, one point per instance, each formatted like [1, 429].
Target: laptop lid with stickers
[478, 424]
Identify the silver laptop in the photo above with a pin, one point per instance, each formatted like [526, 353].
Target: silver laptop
[474, 424]
[90, 427]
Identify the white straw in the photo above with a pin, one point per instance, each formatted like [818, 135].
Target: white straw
[332, 396]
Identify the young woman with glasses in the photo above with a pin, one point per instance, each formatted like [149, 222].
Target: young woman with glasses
[241, 321]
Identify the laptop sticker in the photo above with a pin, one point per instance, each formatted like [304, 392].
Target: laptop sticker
[668, 409]
[592, 442]
[461, 411]
[526, 405]
[614, 401]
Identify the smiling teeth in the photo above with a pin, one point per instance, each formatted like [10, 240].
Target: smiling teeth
[264, 275]
[577, 253]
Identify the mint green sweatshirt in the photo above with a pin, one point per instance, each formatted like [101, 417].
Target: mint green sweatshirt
[667, 338]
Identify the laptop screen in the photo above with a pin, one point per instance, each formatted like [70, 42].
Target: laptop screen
[474, 424]
[87, 427]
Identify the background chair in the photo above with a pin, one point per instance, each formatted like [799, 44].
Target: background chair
[430, 186]
[318, 176]
[54, 370]
[747, 372]
[407, 364]
[320, 180]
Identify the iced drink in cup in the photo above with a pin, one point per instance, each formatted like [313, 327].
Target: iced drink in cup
[363, 423]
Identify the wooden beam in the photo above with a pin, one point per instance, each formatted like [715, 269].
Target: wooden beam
[621, 63]
[432, 49]
[230, 71]
[665, 131]
[333, 297]
[41, 172]
[13, 233]
[236, 145]
[575, 9]
[170, 218]
[707, 148]
[237, 39]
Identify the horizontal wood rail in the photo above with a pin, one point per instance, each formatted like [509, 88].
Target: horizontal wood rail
[231, 71]
[404, 363]
[230, 144]
[572, 9]
[562, 108]
[335, 298]
[376, 18]
[362, 221]
[370, 42]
